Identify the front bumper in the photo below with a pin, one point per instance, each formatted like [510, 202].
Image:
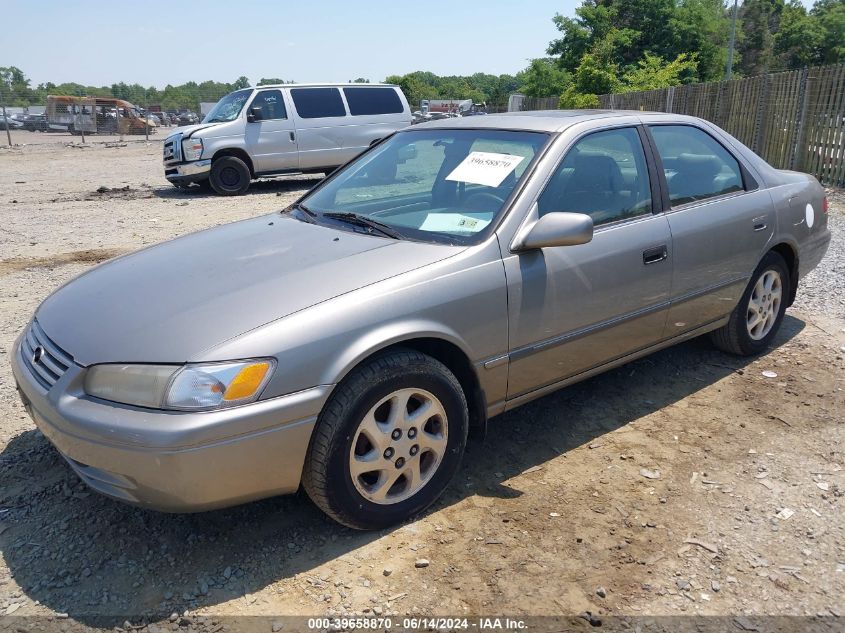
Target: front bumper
[174, 461]
[185, 173]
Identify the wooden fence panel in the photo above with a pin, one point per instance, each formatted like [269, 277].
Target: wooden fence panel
[794, 120]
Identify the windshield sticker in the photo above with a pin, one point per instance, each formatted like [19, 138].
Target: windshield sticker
[485, 168]
[454, 223]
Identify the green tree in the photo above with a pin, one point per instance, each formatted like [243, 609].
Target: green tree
[759, 20]
[829, 18]
[359, 80]
[798, 38]
[14, 87]
[272, 81]
[544, 78]
[702, 28]
[654, 72]
[241, 83]
[592, 78]
[621, 32]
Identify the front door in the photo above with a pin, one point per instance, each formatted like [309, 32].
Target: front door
[572, 308]
[271, 136]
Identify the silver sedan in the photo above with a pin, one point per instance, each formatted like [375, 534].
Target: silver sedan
[456, 270]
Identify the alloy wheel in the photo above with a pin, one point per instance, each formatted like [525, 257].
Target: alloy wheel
[398, 446]
[764, 304]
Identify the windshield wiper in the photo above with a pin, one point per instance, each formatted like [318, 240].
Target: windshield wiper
[308, 215]
[363, 220]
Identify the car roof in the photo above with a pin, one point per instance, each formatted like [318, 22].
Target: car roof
[327, 85]
[535, 120]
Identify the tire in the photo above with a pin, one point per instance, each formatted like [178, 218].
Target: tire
[229, 176]
[371, 393]
[749, 332]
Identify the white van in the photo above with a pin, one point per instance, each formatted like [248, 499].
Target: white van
[282, 129]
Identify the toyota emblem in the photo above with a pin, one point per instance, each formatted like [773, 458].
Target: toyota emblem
[37, 354]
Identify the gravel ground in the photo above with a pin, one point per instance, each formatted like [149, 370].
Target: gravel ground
[685, 483]
[823, 290]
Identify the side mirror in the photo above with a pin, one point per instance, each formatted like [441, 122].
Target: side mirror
[254, 114]
[406, 153]
[556, 229]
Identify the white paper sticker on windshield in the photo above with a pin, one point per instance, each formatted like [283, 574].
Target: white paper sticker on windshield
[485, 168]
[454, 223]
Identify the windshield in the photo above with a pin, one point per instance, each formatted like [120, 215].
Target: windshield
[228, 108]
[433, 185]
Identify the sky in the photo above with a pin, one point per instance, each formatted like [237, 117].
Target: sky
[174, 41]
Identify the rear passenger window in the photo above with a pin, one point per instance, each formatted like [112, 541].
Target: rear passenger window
[317, 103]
[373, 101]
[271, 103]
[604, 175]
[696, 165]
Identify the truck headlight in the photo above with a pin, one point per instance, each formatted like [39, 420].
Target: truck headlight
[196, 387]
[192, 148]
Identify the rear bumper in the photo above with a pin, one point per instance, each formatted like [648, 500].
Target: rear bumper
[169, 461]
[186, 173]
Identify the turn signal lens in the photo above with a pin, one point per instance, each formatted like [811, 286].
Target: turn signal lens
[247, 382]
[207, 386]
[825, 205]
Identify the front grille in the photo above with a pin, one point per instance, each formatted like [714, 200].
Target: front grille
[46, 360]
[172, 151]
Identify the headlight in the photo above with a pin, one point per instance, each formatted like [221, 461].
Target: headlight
[192, 148]
[186, 388]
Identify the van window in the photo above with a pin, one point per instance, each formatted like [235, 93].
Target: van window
[271, 103]
[316, 103]
[373, 101]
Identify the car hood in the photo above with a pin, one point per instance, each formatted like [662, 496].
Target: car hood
[170, 302]
[187, 130]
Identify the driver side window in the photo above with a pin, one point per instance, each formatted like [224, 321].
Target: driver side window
[603, 175]
[271, 103]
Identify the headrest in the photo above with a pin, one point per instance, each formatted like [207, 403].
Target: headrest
[698, 165]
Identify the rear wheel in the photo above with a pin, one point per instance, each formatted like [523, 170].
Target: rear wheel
[757, 317]
[229, 176]
[388, 441]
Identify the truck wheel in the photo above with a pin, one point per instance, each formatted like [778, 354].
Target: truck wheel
[757, 317]
[229, 176]
[388, 441]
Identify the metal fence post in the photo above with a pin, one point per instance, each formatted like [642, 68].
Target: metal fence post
[762, 114]
[796, 159]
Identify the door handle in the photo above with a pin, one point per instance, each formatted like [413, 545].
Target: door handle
[760, 223]
[656, 254]
[292, 137]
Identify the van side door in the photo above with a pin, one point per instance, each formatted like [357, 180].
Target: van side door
[270, 136]
[320, 120]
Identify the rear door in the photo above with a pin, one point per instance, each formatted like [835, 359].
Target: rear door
[721, 223]
[572, 308]
[271, 137]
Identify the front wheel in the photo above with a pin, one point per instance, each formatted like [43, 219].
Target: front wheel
[229, 176]
[388, 441]
[757, 317]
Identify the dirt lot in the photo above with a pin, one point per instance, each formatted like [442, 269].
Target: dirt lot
[683, 483]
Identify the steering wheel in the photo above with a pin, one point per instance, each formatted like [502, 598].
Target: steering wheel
[483, 201]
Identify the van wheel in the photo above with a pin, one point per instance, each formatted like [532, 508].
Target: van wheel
[757, 317]
[388, 441]
[229, 176]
